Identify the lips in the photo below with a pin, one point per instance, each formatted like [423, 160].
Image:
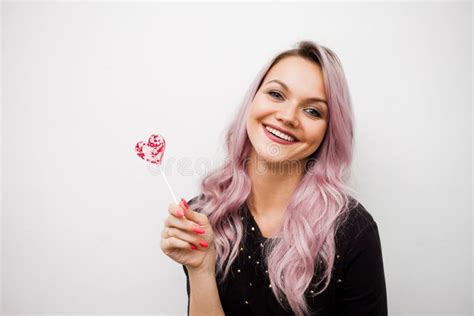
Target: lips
[281, 130]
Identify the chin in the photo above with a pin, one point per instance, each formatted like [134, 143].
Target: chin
[271, 154]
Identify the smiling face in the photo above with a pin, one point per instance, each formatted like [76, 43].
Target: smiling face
[291, 99]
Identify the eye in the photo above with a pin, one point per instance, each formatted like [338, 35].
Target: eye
[273, 93]
[313, 112]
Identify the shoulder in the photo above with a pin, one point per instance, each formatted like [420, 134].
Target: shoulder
[193, 202]
[360, 274]
[359, 221]
[194, 199]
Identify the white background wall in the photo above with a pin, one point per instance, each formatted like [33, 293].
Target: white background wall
[82, 83]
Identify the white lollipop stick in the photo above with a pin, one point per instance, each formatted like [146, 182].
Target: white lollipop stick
[169, 187]
[152, 151]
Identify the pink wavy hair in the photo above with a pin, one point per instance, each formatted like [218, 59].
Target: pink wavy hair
[317, 208]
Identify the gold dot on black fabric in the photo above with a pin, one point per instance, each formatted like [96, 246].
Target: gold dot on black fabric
[339, 280]
[246, 302]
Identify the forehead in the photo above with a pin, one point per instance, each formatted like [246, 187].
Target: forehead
[302, 76]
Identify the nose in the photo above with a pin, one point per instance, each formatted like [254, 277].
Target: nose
[287, 115]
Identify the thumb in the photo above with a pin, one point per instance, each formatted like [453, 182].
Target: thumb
[192, 215]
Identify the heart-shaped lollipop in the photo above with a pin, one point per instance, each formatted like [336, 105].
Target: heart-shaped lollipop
[153, 150]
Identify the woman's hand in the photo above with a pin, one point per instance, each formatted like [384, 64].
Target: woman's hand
[188, 238]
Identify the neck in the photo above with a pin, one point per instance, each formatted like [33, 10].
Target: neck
[272, 185]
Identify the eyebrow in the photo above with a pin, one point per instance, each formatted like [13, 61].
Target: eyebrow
[286, 87]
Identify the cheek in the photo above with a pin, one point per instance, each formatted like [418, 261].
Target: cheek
[254, 116]
[260, 108]
[316, 133]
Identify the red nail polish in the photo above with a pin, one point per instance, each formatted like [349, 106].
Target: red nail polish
[193, 247]
[198, 230]
[185, 204]
[179, 212]
[203, 243]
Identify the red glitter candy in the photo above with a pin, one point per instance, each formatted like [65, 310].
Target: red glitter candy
[153, 150]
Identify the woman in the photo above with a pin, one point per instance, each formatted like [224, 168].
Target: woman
[276, 230]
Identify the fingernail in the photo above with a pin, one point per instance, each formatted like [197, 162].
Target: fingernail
[185, 204]
[179, 212]
[193, 247]
[198, 230]
[203, 243]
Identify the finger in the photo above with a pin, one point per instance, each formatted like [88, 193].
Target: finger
[192, 239]
[192, 215]
[175, 243]
[175, 210]
[186, 225]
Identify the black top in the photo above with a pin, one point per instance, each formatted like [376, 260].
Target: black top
[357, 284]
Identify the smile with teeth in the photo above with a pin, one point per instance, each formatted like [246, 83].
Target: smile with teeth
[280, 134]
